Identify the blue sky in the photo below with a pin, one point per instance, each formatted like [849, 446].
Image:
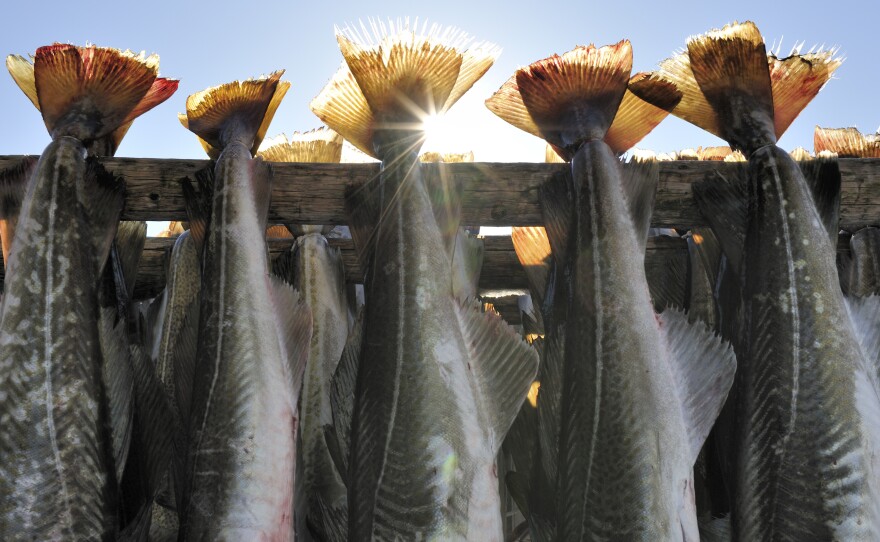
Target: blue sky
[208, 43]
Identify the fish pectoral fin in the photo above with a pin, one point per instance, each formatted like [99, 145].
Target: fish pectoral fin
[715, 529]
[467, 262]
[723, 201]
[640, 176]
[557, 206]
[198, 205]
[667, 273]
[13, 185]
[118, 378]
[183, 358]
[444, 191]
[503, 365]
[334, 447]
[532, 247]
[342, 392]
[702, 366]
[823, 177]
[518, 487]
[294, 326]
[363, 207]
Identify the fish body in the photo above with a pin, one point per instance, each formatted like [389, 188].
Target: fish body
[424, 439]
[802, 436]
[623, 395]
[240, 468]
[56, 466]
[319, 275]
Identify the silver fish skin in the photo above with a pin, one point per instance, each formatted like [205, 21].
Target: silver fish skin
[633, 412]
[438, 386]
[320, 277]
[240, 468]
[804, 445]
[56, 474]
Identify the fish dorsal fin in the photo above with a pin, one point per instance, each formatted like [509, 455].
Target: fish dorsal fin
[322, 146]
[730, 66]
[666, 268]
[723, 201]
[532, 248]
[467, 262]
[130, 239]
[118, 380]
[198, 205]
[567, 99]
[557, 207]
[342, 393]
[702, 367]
[640, 177]
[846, 142]
[237, 111]
[13, 185]
[103, 201]
[636, 117]
[363, 207]
[294, 326]
[796, 80]
[823, 177]
[864, 265]
[503, 366]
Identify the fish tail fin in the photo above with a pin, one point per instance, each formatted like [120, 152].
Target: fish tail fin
[89, 92]
[567, 99]
[703, 368]
[504, 365]
[322, 145]
[237, 111]
[823, 177]
[13, 185]
[796, 80]
[636, 117]
[532, 248]
[342, 105]
[730, 66]
[846, 142]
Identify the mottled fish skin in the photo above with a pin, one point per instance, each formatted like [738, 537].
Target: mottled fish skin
[320, 277]
[56, 473]
[240, 469]
[803, 467]
[423, 453]
[625, 470]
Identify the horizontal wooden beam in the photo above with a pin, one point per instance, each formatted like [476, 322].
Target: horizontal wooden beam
[494, 194]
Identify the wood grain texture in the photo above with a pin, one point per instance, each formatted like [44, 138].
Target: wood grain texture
[495, 194]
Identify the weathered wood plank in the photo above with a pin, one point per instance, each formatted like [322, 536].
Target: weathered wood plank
[494, 194]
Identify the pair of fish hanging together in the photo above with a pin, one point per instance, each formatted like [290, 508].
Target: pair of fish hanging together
[410, 472]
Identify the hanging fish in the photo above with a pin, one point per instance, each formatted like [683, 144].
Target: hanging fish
[438, 381]
[860, 268]
[62, 450]
[805, 432]
[637, 392]
[253, 332]
[315, 269]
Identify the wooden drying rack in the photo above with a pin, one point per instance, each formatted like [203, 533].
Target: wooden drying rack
[494, 194]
